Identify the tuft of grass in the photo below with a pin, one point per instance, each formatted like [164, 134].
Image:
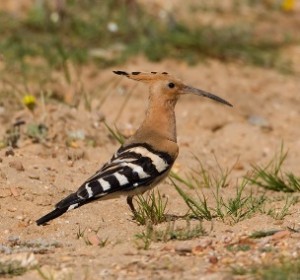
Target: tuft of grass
[151, 209]
[80, 233]
[271, 176]
[145, 238]
[280, 213]
[285, 269]
[16, 265]
[237, 208]
[103, 242]
[37, 132]
[242, 205]
[10, 269]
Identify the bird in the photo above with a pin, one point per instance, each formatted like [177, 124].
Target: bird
[145, 158]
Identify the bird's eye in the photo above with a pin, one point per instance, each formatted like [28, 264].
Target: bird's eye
[171, 85]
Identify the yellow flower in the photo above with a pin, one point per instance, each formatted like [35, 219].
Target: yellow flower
[288, 5]
[29, 101]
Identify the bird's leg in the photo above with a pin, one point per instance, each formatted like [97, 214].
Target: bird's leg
[130, 204]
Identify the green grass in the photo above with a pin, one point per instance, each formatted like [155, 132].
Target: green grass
[198, 206]
[81, 33]
[10, 269]
[233, 209]
[151, 208]
[279, 213]
[195, 189]
[284, 270]
[115, 134]
[80, 233]
[272, 177]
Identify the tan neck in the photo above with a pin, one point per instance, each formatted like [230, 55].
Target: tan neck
[160, 120]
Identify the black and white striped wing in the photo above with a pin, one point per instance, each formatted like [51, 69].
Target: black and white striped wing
[132, 167]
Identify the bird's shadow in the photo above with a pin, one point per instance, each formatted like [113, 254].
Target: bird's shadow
[167, 218]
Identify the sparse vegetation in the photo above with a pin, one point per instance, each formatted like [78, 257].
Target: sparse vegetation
[115, 134]
[11, 269]
[286, 269]
[244, 204]
[109, 34]
[279, 213]
[199, 207]
[80, 233]
[151, 208]
[233, 209]
[272, 177]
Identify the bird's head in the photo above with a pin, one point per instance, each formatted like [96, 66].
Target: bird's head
[165, 85]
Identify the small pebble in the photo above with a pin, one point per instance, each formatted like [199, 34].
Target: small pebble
[19, 217]
[201, 247]
[281, 235]
[9, 152]
[74, 154]
[34, 176]
[183, 249]
[213, 259]
[14, 191]
[259, 121]
[197, 250]
[93, 239]
[167, 248]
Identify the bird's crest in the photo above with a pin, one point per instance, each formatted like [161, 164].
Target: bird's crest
[145, 76]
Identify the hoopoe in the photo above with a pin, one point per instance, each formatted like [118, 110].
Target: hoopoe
[145, 158]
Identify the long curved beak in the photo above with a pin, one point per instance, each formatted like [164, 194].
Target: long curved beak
[188, 89]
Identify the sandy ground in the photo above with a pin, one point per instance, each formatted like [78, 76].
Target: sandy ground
[34, 176]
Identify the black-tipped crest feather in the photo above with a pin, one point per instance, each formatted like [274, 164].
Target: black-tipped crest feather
[121, 73]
